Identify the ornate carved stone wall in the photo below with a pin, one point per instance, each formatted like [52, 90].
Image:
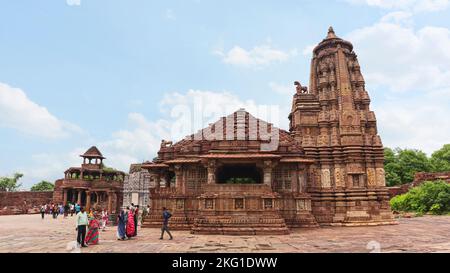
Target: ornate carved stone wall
[137, 184]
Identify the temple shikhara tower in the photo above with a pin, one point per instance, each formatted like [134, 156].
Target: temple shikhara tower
[326, 170]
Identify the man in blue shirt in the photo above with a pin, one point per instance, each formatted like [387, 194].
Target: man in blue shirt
[166, 216]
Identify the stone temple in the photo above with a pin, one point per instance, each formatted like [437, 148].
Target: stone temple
[92, 185]
[136, 186]
[326, 170]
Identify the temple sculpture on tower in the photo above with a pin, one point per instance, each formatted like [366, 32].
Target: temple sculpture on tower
[326, 170]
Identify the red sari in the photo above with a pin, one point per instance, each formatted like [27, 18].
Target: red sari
[92, 235]
[130, 224]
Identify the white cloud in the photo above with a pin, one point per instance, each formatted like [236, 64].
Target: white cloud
[73, 2]
[398, 17]
[419, 123]
[258, 56]
[138, 143]
[410, 5]
[17, 111]
[183, 114]
[170, 15]
[283, 89]
[402, 58]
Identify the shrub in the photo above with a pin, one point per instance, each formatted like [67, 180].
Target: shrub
[430, 197]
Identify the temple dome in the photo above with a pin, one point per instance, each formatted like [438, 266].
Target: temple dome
[93, 152]
[332, 41]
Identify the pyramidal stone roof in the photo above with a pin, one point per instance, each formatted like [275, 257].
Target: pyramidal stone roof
[238, 126]
[93, 152]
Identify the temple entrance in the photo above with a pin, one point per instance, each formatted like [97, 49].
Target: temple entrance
[239, 174]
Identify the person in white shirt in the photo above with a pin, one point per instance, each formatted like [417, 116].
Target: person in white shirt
[81, 222]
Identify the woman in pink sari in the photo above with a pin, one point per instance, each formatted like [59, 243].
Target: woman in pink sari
[92, 236]
[130, 223]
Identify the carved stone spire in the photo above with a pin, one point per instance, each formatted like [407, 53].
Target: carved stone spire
[331, 34]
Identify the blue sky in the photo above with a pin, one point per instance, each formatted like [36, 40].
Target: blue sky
[77, 73]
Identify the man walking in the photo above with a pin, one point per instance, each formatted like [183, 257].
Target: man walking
[42, 211]
[165, 228]
[81, 221]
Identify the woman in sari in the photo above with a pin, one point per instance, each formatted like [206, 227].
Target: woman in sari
[121, 226]
[92, 235]
[136, 219]
[130, 223]
[104, 219]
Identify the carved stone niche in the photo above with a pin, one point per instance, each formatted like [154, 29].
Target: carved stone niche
[268, 203]
[303, 205]
[380, 177]
[371, 177]
[209, 203]
[339, 177]
[325, 178]
[239, 203]
[180, 204]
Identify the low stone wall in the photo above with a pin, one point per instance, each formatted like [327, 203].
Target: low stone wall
[419, 178]
[23, 202]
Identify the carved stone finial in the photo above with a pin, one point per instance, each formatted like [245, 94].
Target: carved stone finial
[331, 33]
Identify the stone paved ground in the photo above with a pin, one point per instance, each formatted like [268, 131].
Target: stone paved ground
[28, 233]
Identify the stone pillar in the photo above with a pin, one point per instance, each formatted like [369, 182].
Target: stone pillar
[211, 172]
[268, 173]
[179, 181]
[88, 200]
[79, 197]
[96, 199]
[110, 193]
[72, 199]
[295, 184]
[64, 196]
[157, 178]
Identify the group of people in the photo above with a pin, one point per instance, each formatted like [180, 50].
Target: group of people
[128, 221]
[88, 226]
[129, 218]
[59, 209]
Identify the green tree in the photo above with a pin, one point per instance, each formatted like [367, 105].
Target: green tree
[402, 164]
[412, 161]
[43, 186]
[392, 168]
[430, 197]
[440, 159]
[10, 183]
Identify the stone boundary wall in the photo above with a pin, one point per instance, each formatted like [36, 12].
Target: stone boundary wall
[419, 178]
[24, 202]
